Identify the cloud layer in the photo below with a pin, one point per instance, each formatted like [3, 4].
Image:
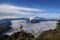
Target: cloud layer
[10, 11]
[16, 10]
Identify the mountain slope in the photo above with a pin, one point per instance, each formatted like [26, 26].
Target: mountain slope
[50, 34]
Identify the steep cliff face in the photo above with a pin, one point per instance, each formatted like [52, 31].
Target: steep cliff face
[4, 24]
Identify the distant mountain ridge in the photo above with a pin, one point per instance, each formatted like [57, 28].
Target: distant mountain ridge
[33, 19]
[42, 19]
[38, 19]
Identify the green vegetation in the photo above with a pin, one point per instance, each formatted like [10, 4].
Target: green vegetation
[22, 35]
[46, 35]
[50, 34]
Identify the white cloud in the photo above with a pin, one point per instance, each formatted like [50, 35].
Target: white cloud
[6, 9]
[16, 10]
[23, 11]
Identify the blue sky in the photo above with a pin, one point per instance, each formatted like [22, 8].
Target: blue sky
[29, 8]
